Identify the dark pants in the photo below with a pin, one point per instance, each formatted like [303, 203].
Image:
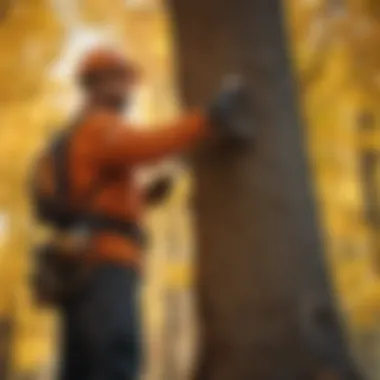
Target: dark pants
[101, 332]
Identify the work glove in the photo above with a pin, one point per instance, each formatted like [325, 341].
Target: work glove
[159, 191]
[230, 113]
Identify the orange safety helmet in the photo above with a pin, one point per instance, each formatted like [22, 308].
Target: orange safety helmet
[105, 60]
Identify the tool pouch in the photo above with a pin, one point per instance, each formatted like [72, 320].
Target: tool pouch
[58, 275]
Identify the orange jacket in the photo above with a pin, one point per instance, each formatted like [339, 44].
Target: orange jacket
[104, 146]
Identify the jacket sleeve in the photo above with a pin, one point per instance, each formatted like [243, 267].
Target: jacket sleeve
[119, 144]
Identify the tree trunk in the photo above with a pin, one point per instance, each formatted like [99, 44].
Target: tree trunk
[265, 304]
[6, 331]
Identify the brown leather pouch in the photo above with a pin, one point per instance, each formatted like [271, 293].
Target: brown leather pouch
[58, 275]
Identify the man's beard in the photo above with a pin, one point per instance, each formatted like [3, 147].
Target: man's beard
[115, 102]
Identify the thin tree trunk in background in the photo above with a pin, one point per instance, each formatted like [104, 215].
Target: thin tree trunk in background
[265, 304]
[6, 334]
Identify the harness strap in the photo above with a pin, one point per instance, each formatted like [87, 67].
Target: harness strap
[127, 228]
[59, 151]
[65, 217]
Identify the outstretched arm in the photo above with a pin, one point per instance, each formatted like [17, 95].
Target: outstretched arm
[119, 144]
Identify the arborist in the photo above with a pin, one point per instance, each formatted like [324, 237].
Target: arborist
[85, 189]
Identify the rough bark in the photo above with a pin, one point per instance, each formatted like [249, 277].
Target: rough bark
[265, 303]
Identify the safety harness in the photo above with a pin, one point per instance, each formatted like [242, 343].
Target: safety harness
[58, 210]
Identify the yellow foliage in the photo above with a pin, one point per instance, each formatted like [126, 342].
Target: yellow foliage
[179, 276]
[25, 55]
[336, 46]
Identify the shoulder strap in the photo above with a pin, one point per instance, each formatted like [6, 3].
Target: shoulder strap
[59, 158]
[60, 150]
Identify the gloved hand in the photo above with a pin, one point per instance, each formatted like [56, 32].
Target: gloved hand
[159, 191]
[229, 112]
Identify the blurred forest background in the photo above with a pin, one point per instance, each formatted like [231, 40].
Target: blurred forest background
[336, 50]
